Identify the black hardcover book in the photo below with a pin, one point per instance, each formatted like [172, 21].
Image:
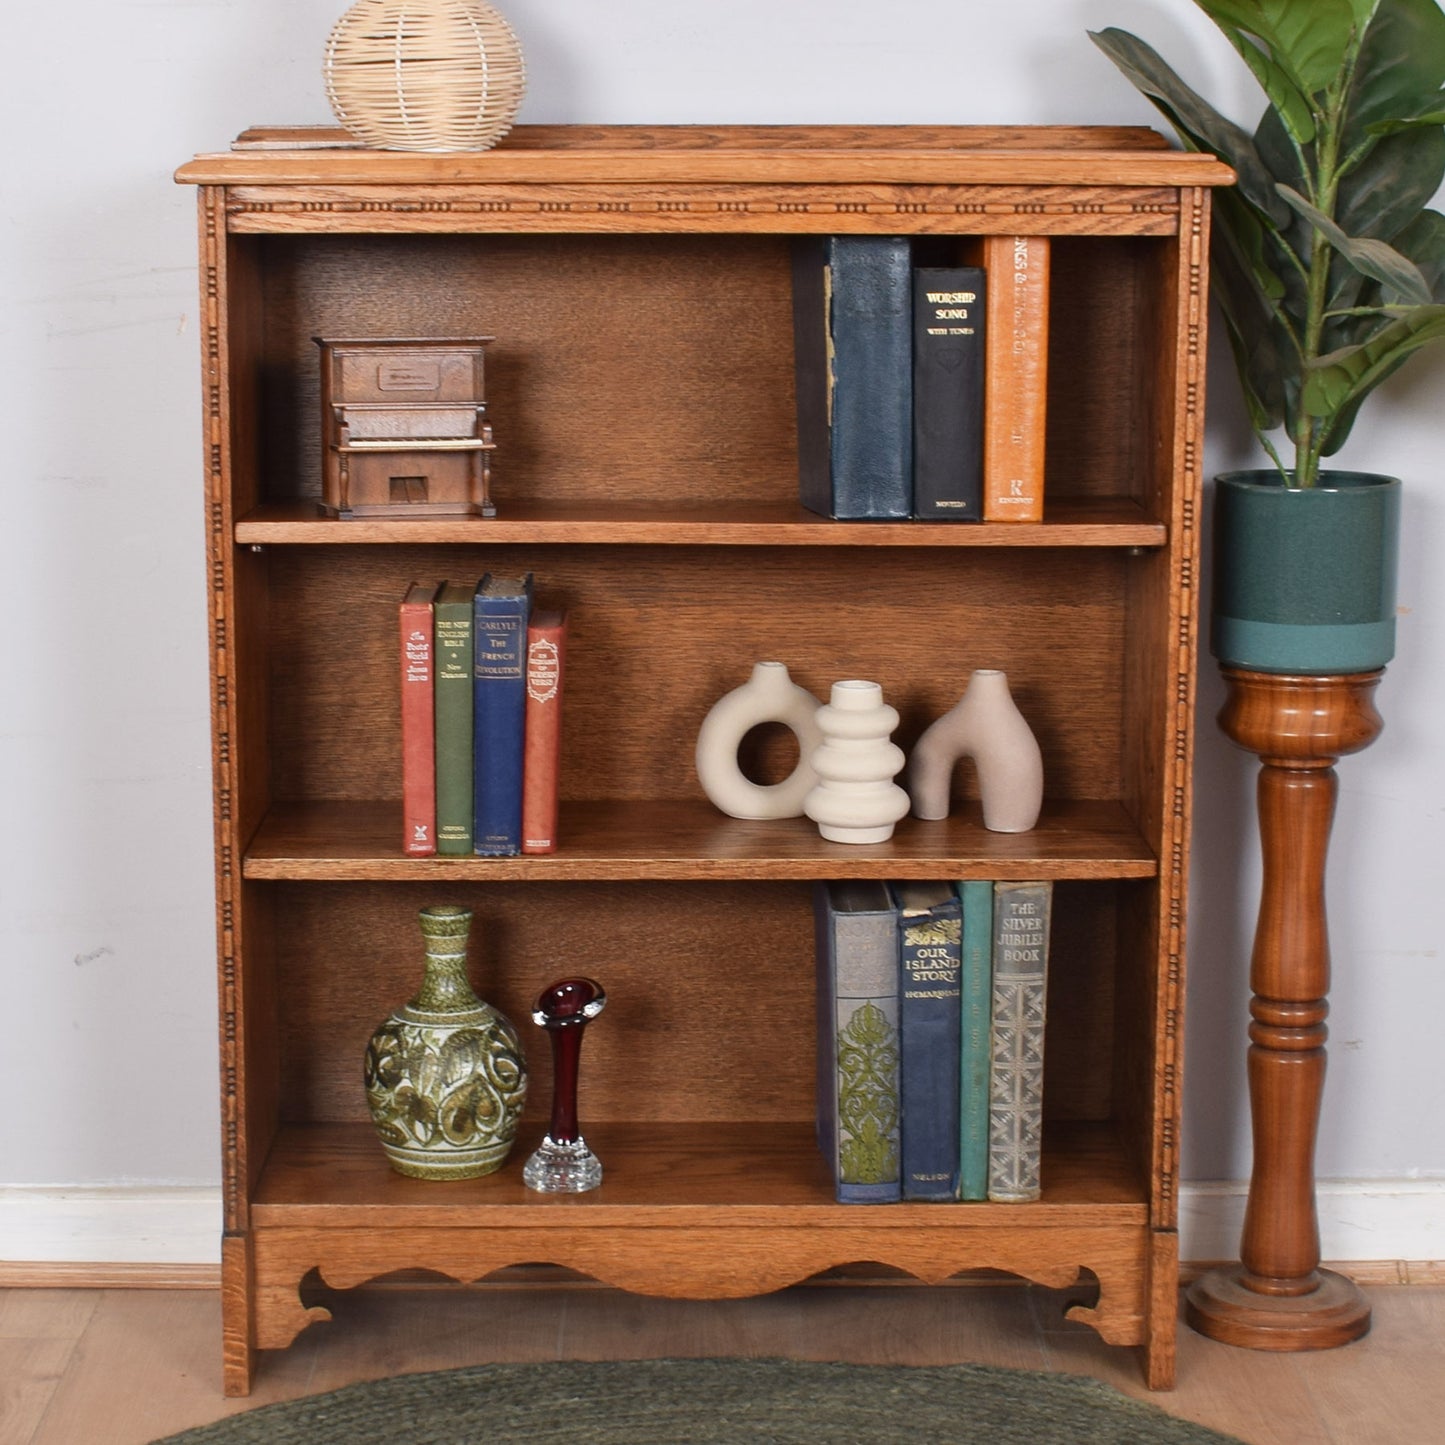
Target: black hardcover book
[853, 335]
[948, 374]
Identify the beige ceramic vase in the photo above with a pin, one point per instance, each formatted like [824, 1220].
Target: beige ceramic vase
[985, 725]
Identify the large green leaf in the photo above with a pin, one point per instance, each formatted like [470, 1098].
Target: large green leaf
[1307, 41]
[1400, 70]
[1291, 105]
[1423, 241]
[1388, 189]
[1376, 259]
[1337, 381]
[1200, 126]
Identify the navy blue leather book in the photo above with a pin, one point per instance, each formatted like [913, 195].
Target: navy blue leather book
[857, 963]
[930, 928]
[948, 367]
[853, 349]
[500, 610]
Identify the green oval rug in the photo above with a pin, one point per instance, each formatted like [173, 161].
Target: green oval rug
[711, 1402]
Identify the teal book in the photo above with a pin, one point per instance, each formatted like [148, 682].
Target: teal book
[929, 1025]
[976, 990]
[1021, 916]
[499, 699]
[853, 362]
[452, 613]
[857, 1087]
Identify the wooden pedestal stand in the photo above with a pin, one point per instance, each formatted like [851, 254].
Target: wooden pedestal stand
[1278, 1298]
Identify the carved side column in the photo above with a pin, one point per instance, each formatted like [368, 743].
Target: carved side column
[1277, 1297]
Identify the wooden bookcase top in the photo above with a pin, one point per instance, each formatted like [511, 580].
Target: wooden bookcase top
[938, 155]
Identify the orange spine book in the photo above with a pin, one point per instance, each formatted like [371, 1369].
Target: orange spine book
[542, 729]
[1015, 375]
[418, 741]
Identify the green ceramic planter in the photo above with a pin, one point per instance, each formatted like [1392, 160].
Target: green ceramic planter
[1304, 578]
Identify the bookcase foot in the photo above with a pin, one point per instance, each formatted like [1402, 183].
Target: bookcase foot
[1222, 1306]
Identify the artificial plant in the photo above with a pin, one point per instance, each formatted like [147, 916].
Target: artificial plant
[1326, 260]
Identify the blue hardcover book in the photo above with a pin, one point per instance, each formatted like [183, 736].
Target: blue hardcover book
[930, 930]
[976, 988]
[500, 610]
[853, 353]
[857, 962]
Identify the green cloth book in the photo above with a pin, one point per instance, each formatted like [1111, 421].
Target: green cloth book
[976, 987]
[453, 614]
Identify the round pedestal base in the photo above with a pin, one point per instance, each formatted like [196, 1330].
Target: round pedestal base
[1220, 1306]
[562, 1167]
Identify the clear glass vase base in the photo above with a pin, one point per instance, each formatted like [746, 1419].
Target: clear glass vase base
[562, 1168]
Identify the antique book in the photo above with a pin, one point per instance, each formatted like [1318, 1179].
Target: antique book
[929, 935]
[857, 1090]
[418, 721]
[502, 606]
[853, 343]
[1015, 374]
[948, 365]
[1016, 1072]
[542, 728]
[453, 693]
[976, 1016]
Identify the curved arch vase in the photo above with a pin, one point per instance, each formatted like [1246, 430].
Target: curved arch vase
[985, 725]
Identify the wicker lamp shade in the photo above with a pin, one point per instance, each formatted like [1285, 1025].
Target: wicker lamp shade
[425, 75]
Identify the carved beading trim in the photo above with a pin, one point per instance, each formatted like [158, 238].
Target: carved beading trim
[1189, 419]
[212, 272]
[1066, 207]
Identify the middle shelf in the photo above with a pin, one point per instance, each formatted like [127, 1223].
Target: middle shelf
[683, 839]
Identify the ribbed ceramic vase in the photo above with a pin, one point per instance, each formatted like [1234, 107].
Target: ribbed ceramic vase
[856, 799]
[987, 726]
[445, 1075]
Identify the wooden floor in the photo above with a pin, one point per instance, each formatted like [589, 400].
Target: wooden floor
[124, 1366]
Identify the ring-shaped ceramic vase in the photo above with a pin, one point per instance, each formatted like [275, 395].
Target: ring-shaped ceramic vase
[985, 725]
[768, 696]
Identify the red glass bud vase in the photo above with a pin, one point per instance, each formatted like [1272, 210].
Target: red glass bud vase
[563, 1164]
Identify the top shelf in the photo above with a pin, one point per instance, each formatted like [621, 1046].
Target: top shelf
[950, 155]
[1070, 522]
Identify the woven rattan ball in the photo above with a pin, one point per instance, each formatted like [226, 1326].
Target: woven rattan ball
[425, 75]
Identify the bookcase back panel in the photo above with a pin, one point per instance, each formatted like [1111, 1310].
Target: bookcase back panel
[623, 367]
[710, 992]
[1102, 346]
[644, 368]
[658, 634]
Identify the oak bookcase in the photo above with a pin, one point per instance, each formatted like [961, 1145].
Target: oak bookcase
[641, 388]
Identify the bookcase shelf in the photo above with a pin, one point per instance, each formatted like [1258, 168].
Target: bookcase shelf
[687, 838]
[1076, 522]
[641, 385]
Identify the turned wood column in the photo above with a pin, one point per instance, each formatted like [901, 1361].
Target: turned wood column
[1277, 1297]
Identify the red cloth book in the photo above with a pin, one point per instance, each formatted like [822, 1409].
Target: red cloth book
[418, 735]
[542, 732]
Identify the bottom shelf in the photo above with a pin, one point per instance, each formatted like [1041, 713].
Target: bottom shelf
[670, 1175]
[687, 1211]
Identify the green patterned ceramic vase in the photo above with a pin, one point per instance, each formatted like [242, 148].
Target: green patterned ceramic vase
[1304, 577]
[445, 1075]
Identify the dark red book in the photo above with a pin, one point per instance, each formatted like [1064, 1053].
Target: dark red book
[418, 720]
[542, 732]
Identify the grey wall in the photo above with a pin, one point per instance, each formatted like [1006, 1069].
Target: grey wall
[106, 972]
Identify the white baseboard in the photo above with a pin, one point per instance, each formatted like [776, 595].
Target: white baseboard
[1374, 1219]
[1360, 1219]
[157, 1224]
